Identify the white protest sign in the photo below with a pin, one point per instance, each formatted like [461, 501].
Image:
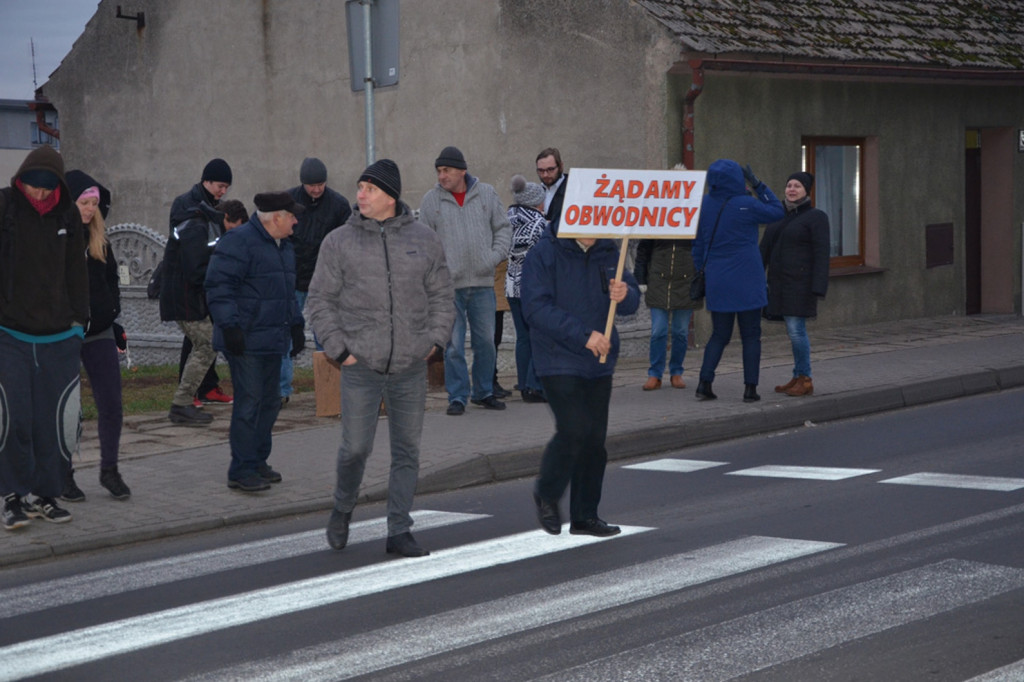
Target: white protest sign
[614, 203]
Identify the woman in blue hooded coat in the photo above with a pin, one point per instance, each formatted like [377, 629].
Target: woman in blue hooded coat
[727, 248]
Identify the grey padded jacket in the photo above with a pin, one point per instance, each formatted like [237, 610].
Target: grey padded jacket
[381, 292]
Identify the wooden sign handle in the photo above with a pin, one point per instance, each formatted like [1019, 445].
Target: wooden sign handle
[618, 277]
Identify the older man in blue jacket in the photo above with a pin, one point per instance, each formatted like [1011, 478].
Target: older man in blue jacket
[567, 288]
[250, 290]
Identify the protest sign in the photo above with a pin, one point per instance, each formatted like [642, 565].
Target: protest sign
[647, 204]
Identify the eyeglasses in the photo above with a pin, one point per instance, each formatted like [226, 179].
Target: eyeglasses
[545, 171]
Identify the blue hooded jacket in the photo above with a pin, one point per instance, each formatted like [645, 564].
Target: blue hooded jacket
[734, 272]
[250, 284]
[564, 294]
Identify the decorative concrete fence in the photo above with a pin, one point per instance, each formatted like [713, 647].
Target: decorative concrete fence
[138, 251]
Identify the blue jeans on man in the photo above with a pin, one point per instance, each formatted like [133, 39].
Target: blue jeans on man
[475, 306]
[405, 395]
[680, 321]
[257, 402]
[796, 328]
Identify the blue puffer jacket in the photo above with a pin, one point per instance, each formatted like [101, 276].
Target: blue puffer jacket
[250, 283]
[565, 298]
[734, 273]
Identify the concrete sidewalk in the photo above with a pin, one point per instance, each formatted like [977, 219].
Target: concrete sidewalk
[178, 474]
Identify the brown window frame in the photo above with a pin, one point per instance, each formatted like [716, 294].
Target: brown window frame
[810, 143]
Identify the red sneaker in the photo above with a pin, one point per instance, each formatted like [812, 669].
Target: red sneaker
[217, 396]
[196, 402]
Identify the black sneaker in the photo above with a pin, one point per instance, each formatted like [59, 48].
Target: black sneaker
[489, 403]
[249, 484]
[267, 473]
[532, 396]
[455, 408]
[71, 491]
[14, 514]
[112, 481]
[500, 392]
[46, 508]
[189, 415]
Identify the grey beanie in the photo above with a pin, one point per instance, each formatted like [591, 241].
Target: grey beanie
[526, 193]
[313, 171]
[451, 157]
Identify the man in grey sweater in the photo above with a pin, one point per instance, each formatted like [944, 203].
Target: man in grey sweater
[474, 228]
[380, 302]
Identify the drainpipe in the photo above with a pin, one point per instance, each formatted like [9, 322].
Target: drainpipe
[696, 87]
[41, 106]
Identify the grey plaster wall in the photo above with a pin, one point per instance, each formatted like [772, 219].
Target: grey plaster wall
[265, 84]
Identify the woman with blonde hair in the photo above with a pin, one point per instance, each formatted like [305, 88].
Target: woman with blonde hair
[103, 336]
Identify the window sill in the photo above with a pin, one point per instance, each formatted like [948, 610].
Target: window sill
[855, 270]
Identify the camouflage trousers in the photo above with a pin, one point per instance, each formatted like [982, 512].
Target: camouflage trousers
[200, 333]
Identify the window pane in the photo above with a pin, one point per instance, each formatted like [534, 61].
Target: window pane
[836, 187]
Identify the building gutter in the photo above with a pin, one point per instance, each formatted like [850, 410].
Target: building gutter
[41, 106]
[689, 128]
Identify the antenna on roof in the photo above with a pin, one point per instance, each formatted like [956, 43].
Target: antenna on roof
[32, 45]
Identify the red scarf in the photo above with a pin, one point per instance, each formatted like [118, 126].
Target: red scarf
[46, 205]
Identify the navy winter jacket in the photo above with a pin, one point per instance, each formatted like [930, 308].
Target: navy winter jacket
[250, 284]
[565, 298]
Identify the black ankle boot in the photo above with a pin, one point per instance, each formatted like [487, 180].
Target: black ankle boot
[750, 393]
[704, 391]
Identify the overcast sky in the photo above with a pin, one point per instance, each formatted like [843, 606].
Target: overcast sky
[53, 25]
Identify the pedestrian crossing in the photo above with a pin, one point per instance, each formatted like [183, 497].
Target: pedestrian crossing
[938, 480]
[732, 648]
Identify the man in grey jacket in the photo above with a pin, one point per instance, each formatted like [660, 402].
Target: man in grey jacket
[474, 228]
[380, 302]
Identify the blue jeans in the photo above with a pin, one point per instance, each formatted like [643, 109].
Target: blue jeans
[475, 305]
[525, 376]
[659, 340]
[287, 367]
[796, 327]
[576, 453]
[405, 397]
[721, 331]
[257, 402]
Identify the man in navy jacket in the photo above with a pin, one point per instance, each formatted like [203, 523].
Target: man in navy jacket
[567, 288]
[250, 291]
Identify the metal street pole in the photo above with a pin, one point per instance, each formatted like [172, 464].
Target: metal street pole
[368, 82]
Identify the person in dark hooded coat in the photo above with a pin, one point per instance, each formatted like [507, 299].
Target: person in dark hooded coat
[726, 248]
[795, 251]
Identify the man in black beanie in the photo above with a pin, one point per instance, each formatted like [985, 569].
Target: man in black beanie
[380, 302]
[325, 211]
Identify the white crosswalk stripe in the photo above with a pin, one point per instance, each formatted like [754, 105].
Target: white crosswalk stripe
[433, 635]
[36, 597]
[675, 465]
[811, 473]
[995, 483]
[47, 654]
[757, 642]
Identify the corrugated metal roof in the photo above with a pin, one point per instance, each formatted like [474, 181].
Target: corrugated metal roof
[985, 34]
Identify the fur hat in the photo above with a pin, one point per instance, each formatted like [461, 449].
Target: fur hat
[268, 202]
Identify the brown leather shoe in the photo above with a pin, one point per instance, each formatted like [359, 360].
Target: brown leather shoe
[803, 386]
[677, 381]
[785, 387]
[653, 384]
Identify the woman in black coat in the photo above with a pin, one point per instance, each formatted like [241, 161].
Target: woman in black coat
[795, 251]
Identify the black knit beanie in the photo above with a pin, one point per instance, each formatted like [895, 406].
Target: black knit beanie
[805, 179]
[313, 171]
[217, 170]
[384, 174]
[451, 157]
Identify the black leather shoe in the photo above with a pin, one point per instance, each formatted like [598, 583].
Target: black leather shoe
[489, 403]
[337, 529]
[531, 396]
[704, 391]
[548, 515]
[750, 393]
[404, 545]
[500, 392]
[594, 527]
[455, 408]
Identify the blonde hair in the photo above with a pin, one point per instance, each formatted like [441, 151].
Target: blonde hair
[98, 237]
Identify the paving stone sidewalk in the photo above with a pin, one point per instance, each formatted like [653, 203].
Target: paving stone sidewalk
[177, 474]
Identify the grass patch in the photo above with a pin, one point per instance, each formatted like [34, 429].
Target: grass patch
[150, 388]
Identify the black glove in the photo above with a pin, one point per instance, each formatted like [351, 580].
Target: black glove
[298, 339]
[752, 179]
[234, 340]
[120, 338]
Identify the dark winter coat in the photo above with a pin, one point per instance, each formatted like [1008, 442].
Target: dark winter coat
[555, 208]
[666, 267]
[565, 298]
[382, 292]
[250, 284]
[734, 274]
[795, 251]
[181, 208]
[322, 215]
[104, 287]
[44, 281]
[186, 257]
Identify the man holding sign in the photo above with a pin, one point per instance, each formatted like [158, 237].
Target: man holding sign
[567, 288]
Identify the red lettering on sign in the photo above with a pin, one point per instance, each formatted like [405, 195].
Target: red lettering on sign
[602, 186]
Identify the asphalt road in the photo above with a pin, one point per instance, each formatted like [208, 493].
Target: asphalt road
[884, 548]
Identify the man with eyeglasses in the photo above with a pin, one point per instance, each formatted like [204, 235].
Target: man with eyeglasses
[549, 170]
